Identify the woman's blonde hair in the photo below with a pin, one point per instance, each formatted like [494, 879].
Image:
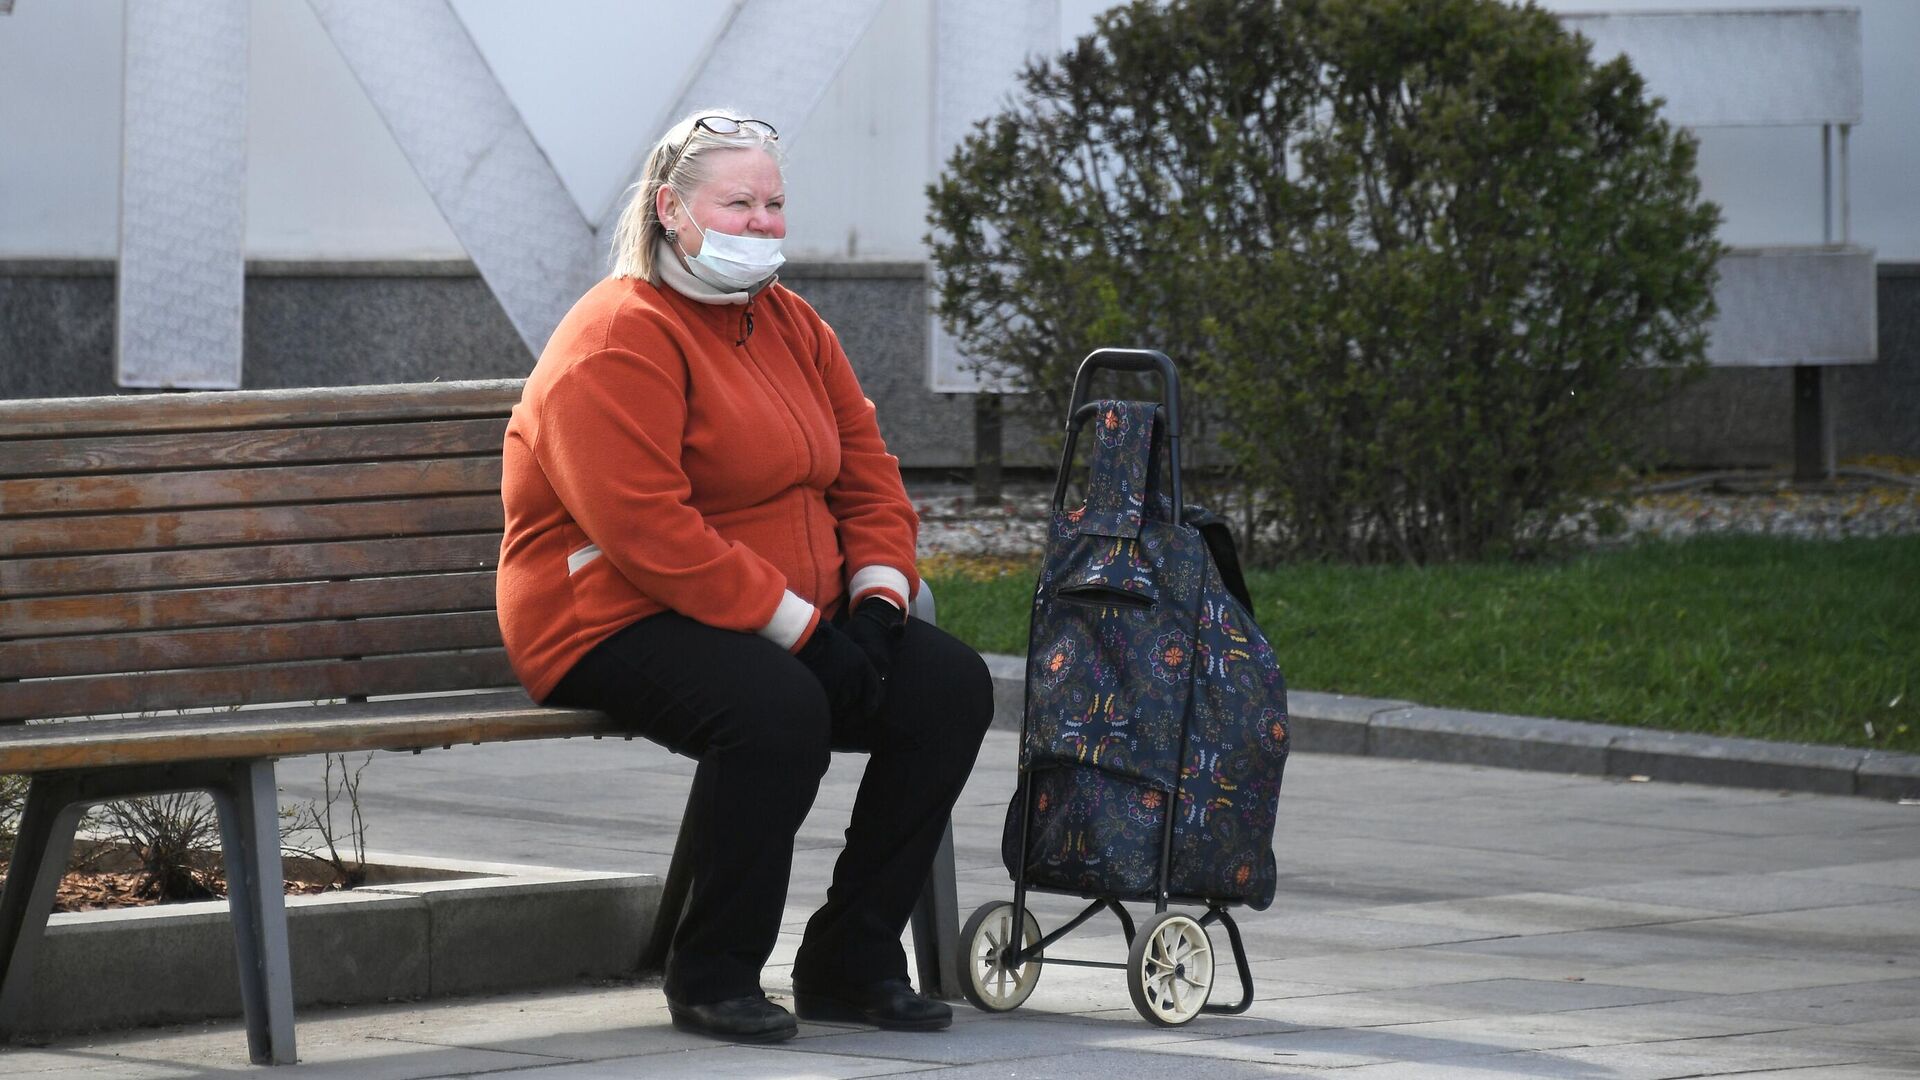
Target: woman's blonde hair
[679, 159]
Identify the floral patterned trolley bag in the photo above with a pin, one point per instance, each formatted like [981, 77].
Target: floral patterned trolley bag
[1156, 724]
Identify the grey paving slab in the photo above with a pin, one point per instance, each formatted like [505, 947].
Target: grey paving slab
[1535, 913]
[1750, 894]
[1771, 814]
[1008, 1038]
[1869, 841]
[711, 1062]
[1902, 1035]
[1107, 1065]
[1343, 1048]
[225, 1054]
[1904, 873]
[1513, 995]
[1754, 974]
[1587, 950]
[1358, 1009]
[1603, 1026]
[1891, 1069]
[1890, 931]
[1854, 1003]
[1391, 969]
[1723, 1055]
[1318, 933]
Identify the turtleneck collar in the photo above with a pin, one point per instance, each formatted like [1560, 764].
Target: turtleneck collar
[674, 274]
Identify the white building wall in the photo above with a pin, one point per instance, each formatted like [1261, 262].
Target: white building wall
[590, 77]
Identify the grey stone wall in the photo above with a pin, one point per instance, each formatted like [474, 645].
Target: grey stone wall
[331, 324]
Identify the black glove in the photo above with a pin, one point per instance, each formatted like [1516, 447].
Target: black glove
[851, 683]
[877, 627]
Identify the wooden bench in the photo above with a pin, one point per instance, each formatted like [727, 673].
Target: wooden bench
[211, 581]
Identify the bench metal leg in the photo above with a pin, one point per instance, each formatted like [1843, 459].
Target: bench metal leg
[936, 926]
[673, 904]
[256, 899]
[40, 852]
[243, 793]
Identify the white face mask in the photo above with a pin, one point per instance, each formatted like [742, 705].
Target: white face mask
[730, 262]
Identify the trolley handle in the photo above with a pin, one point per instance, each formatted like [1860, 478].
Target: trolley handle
[1129, 360]
[1078, 410]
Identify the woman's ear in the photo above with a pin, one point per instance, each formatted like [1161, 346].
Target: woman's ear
[666, 203]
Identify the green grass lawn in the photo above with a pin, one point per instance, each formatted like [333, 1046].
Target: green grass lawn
[1814, 641]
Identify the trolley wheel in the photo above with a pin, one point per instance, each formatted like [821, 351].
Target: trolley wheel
[986, 941]
[1170, 969]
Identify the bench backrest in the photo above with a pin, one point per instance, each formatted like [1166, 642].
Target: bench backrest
[161, 552]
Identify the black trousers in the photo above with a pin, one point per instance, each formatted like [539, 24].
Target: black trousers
[759, 724]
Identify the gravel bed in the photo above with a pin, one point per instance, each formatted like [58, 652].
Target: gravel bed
[951, 524]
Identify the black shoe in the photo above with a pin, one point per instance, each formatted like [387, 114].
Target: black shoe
[890, 1004]
[743, 1019]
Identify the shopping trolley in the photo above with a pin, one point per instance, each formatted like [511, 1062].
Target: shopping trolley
[1155, 729]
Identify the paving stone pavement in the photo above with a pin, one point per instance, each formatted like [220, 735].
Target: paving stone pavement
[1434, 920]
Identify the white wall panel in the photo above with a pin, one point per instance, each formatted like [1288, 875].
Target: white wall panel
[182, 280]
[1802, 305]
[1732, 68]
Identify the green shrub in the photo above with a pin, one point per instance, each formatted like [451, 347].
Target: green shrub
[1422, 263]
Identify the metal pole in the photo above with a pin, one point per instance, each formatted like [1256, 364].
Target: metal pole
[1846, 204]
[1812, 435]
[1826, 183]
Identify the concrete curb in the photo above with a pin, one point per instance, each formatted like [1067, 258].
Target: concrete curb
[1340, 724]
[497, 927]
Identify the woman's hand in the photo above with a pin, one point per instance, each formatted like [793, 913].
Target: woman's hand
[877, 627]
[848, 676]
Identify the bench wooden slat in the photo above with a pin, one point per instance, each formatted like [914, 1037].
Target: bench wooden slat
[245, 605]
[66, 576]
[142, 413]
[192, 450]
[97, 695]
[220, 647]
[379, 725]
[249, 487]
[108, 533]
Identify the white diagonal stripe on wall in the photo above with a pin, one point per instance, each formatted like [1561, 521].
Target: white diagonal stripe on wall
[463, 136]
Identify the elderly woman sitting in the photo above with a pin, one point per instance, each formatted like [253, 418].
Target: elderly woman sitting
[707, 538]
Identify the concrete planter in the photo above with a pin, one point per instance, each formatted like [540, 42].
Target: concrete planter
[456, 928]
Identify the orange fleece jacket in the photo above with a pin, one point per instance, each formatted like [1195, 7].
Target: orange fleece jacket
[717, 460]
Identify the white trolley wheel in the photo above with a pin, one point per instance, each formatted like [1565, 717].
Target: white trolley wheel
[1170, 969]
[986, 978]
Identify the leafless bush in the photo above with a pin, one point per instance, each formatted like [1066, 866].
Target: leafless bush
[313, 830]
[176, 838]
